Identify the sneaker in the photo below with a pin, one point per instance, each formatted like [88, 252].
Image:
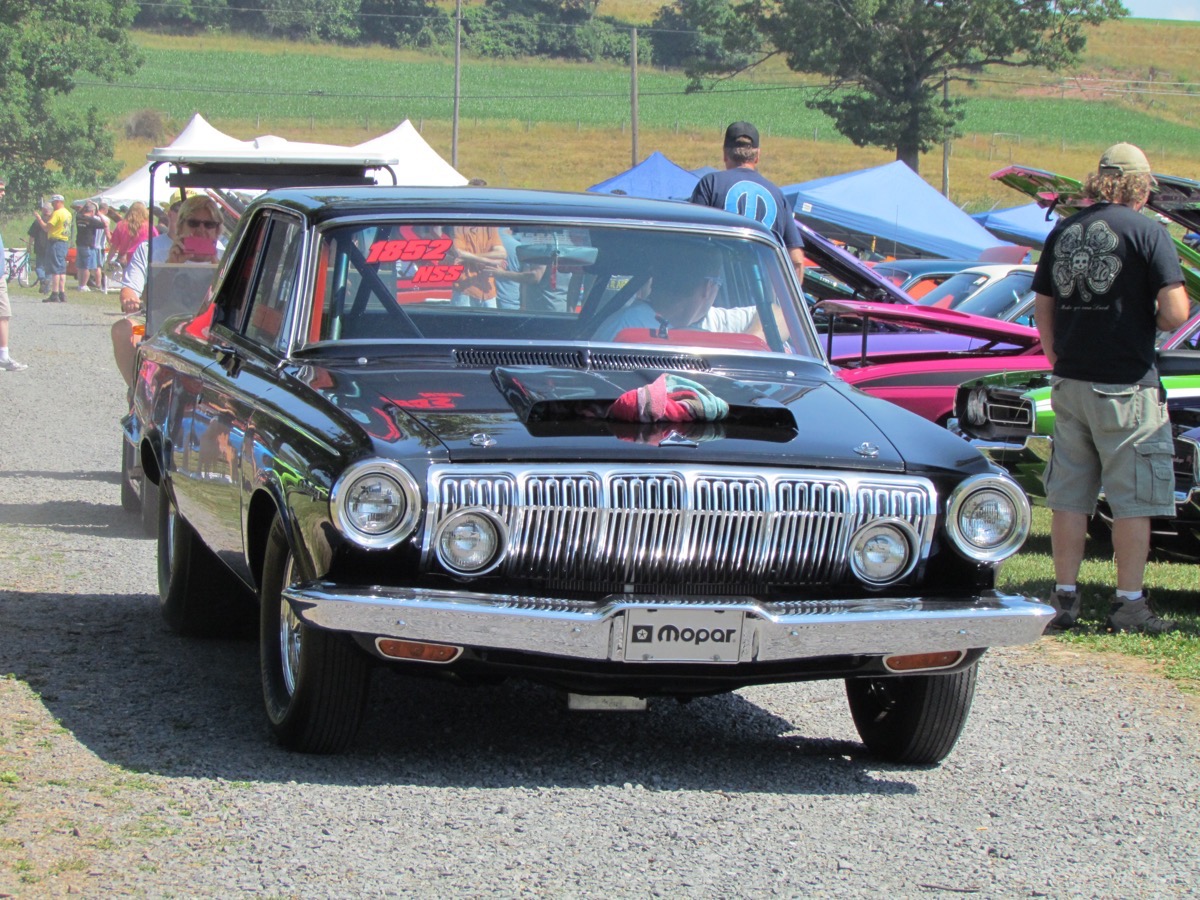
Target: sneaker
[51, 298]
[84, 288]
[62, 296]
[11, 365]
[1067, 606]
[1137, 615]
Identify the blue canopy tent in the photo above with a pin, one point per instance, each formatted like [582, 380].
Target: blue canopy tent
[890, 209]
[655, 177]
[1024, 224]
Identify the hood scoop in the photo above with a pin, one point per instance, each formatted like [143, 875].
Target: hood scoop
[580, 359]
[545, 398]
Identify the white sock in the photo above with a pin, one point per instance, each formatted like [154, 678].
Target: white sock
[1129, 596]
[3, 354]
[1065, 588]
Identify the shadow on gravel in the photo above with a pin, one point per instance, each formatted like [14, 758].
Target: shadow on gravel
[144, 699]
[74, 517]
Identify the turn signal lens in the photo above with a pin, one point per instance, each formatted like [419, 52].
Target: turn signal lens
[912, 661]
[417, 650]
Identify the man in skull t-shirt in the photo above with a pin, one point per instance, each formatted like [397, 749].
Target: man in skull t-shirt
[1107, 280]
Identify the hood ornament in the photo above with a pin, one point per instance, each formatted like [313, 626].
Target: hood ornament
[482, 439]
[675, 439]
[867, 449]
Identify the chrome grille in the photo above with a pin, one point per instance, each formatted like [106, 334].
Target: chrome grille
[602, 528]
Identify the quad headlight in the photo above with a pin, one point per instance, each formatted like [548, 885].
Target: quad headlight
[375, 503]
[988, 518]
[471, 542]
[883, 551]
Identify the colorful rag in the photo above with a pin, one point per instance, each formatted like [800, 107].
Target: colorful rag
[669, 398]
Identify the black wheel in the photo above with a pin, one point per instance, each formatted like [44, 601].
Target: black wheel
[912, 718]
[1099, 530]
[314, 682]
[197, 595]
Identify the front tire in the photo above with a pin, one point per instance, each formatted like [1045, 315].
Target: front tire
[315, 682]
[914, 719]
[197, 595]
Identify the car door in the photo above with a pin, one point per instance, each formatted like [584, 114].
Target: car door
[249, 339]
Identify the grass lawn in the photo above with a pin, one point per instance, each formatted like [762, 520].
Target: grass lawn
[1173, 586]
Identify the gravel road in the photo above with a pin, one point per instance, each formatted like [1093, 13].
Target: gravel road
[133, 762]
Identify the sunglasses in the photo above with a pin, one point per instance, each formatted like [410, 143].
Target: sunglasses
[202, 223]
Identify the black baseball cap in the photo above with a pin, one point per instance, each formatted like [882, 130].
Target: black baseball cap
[741, 134]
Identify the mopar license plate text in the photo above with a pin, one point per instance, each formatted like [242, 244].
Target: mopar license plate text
[683, 635]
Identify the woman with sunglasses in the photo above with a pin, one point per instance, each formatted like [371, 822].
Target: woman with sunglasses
[197, 232]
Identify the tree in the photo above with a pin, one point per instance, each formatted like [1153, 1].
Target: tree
[45, 45]
[886, 60]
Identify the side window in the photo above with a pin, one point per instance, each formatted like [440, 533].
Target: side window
[273, 286]
[235, 290]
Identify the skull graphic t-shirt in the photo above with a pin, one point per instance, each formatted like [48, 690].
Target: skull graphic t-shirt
[1104, 267]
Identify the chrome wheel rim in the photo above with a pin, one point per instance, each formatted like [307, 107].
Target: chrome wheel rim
[289, 637]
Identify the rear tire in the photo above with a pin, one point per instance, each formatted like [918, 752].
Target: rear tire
[197, 595]
[913, 719]
[315, 682]
[26, 277]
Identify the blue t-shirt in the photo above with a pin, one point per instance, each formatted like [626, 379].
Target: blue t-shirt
[744, 191]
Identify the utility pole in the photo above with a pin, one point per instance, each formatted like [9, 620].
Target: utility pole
[633, 93]
[457, 80]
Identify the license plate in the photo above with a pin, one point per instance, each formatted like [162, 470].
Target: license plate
[683, 635]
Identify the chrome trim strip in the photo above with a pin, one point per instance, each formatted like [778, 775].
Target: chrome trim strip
[787, 630]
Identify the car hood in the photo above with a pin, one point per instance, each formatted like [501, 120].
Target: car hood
[523, 413]
[950, 326]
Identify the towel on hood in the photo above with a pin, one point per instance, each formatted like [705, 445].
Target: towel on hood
[669, 398]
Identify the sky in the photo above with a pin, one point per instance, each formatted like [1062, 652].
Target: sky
[1164, 9]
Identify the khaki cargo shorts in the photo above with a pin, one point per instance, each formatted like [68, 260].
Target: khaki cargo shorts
[1111, 436]
[5, 308]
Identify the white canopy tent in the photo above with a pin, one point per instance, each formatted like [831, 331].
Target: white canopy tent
[198, 134]
[419, 163]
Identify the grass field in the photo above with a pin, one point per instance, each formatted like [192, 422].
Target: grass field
[567, 126]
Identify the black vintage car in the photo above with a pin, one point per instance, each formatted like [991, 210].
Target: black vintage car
[585, 440]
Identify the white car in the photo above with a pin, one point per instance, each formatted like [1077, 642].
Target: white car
[957, 289]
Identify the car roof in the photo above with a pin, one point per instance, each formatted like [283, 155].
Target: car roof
[321, 204]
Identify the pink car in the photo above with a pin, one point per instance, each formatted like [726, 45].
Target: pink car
[920, 364]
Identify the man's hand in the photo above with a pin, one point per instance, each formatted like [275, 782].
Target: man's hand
[130, 301]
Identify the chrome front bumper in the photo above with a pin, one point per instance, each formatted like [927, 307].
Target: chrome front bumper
[800, 629]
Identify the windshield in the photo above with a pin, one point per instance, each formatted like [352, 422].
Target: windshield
[521, 282]
[1000, 298]
[954, 290]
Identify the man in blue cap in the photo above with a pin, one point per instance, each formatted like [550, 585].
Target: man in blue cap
[742, 189]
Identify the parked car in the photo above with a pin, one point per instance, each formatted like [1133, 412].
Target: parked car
[473, 493]
[917, 277]
[962, 286]
[921, 366]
